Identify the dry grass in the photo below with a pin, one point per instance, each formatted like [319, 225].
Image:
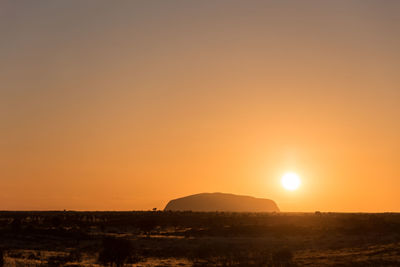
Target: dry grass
[202, 239]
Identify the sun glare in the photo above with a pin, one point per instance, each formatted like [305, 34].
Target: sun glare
[290, 181]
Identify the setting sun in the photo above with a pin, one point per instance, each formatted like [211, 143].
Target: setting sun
[186, 133]
[290, 181]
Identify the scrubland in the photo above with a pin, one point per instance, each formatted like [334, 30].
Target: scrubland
[157, 238]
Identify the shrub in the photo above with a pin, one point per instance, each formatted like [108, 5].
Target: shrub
[147, 224]
[33, 256]
[1, 257]
[75, 256]
[283, 257]
[57, 261]
[115, 251]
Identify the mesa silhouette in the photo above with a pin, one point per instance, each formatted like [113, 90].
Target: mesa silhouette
[209, 202]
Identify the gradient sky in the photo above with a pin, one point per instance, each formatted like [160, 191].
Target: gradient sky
[123, 105]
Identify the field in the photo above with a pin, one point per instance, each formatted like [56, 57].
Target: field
[156, 238]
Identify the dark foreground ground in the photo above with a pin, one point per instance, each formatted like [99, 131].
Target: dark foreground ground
[198, 239]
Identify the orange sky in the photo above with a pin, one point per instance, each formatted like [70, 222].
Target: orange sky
[107, 106]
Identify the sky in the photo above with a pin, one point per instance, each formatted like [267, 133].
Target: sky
[124, 105]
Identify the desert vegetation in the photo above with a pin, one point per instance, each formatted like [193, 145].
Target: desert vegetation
[158, 238]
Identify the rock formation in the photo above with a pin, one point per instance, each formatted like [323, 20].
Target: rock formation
[221, 202]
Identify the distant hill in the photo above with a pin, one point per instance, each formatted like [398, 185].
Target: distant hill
[222, 202]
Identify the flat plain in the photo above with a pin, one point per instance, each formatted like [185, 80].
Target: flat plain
[158, 238]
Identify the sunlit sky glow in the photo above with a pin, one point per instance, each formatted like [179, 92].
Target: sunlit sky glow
[124, 105]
